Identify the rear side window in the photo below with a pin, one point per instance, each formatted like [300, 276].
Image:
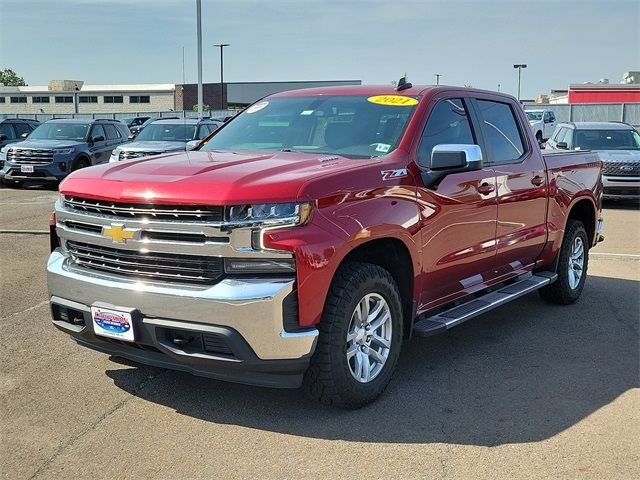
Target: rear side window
[501, 132]
[112, 133]
[448, 123]
[22, 128]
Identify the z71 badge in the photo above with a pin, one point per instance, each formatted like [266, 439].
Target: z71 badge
[397, 173]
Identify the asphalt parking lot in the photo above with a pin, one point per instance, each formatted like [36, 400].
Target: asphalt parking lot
[529, 391]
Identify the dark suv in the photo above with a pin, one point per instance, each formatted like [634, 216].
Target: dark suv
[15, 129]
[58, 147]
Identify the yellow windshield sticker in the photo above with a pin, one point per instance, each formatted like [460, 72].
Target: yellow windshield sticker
[394, 100]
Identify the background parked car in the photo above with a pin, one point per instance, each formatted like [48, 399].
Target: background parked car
[15, 130]
[134, 121]
[618, 146]
[163, 136]
[135, 130]
[58, 147]
[543, 123]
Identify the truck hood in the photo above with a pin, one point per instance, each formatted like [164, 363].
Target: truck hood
[208, 178]
[153, 146]
[619, 155]
[48, 144]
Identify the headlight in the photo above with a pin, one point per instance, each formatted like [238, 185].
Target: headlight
[62, 151]
[270, 214]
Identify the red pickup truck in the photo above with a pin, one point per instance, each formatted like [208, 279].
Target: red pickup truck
[305, 240]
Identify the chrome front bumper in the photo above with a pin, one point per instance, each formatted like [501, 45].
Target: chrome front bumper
[251, 307]
[617, 187]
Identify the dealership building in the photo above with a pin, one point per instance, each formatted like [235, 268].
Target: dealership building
[74, 96]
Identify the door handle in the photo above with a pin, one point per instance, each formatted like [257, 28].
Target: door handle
[537, 180]
[486, 188]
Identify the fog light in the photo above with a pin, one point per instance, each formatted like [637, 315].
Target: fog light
[250, 265]
[63, 166]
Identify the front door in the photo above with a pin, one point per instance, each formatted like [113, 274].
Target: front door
[458, 215]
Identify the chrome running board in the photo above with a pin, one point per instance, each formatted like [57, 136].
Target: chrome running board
[427, 326]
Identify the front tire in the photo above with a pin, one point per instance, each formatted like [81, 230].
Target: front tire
[82, 162]
[572, 266]
[360, 338]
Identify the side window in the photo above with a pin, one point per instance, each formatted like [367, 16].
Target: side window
[559, 134]
[7, 129]
[448, 123]
[21, 128]
[112, 133]
[203, 131]
[547, 117]
[568, 137]
[97, 131]
[501, 132]
[552, 117]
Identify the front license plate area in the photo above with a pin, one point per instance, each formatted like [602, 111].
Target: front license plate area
[112, 323]
[26, 169]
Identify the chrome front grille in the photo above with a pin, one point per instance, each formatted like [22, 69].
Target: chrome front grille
[622, 169]
[175, 244]
[30, 156]
[127, 154]
[189, 213]
[162, 267]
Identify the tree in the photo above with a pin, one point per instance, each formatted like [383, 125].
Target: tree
[10, 78]
[205, 107]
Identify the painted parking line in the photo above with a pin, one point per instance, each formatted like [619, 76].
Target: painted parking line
[605, 254]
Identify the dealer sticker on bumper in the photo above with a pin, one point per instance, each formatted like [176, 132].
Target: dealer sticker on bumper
[112, 323]
[26, 168]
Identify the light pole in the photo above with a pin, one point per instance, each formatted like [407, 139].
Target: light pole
[519, 66]
[498, 87]
[438, 75]
[199, 32]
[221, 46]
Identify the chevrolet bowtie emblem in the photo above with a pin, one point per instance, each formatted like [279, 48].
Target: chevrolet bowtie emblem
[119, 234]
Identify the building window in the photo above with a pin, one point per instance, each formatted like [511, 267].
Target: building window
[88, 99]
[112, 99]
[2, 100]
[18, 99]
[64, 99]
[40, 99]
[139, 99]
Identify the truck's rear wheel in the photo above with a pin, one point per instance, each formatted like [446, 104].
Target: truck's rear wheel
[572, 266]
[360, 338]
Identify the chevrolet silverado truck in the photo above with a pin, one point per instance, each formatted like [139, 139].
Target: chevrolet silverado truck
[306, 239]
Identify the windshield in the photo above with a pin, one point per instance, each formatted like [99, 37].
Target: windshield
[167, 132]
[607, 140]
[534, 115]
[350, 126]
[60, 131]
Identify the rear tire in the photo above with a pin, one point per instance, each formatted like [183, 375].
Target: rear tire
[572, 266]
[357, 349]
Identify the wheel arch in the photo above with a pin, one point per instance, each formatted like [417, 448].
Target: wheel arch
[394, 256]
[584, 210]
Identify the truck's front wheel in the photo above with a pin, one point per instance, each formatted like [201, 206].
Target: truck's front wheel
[360, 337]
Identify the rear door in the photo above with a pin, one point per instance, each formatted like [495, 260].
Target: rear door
[458, 215]
[521, 180]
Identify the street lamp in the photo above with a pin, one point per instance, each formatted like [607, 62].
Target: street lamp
[221, 46]
[519, 66]
[438, 75]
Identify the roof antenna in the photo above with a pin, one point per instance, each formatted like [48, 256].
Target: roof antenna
[403, 84]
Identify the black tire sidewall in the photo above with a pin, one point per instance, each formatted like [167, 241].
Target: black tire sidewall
[574, 230]
[382, 287]
[81, 162]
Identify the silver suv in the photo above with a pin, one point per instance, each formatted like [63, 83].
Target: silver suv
[617, 144]
[162, 136]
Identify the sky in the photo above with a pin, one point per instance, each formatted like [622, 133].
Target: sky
[471, 42]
